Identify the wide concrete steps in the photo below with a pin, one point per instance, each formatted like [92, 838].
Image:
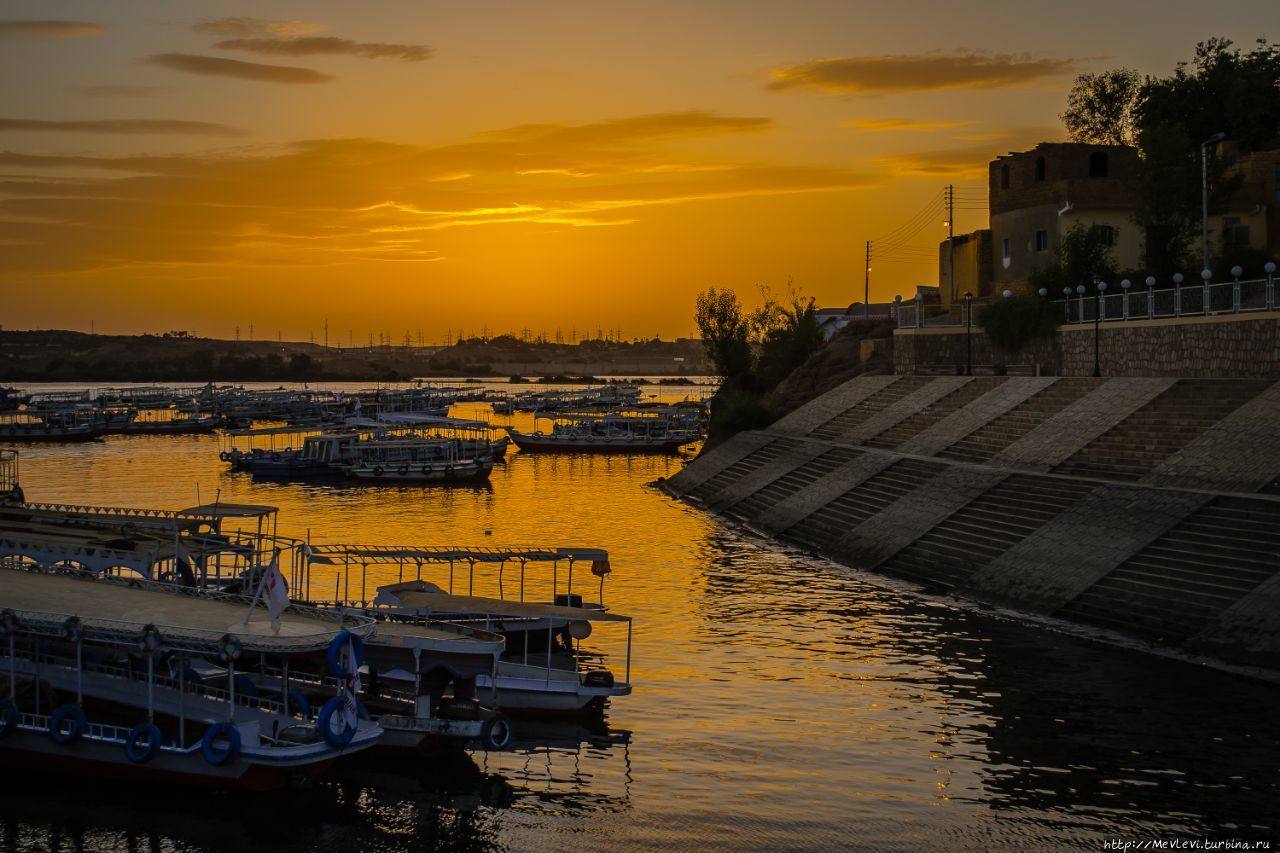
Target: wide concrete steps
[1173, 419]
[859, 412]
[997, 434]
[748, 464]
[764, 499]
[904, 430]
[1185, 579]
[838, 517]
[991, 524]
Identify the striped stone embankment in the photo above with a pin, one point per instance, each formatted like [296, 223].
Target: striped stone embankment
[1147, 506]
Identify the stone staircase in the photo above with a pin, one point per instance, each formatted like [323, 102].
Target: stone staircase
[755, 505]
[910, 427]
[749, 463]
[1136, 445]
[858, 504]
[994, 522]
[873, 404]
[1183, 581]
[993, 437]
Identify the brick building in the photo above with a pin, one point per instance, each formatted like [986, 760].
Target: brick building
[1037, 196]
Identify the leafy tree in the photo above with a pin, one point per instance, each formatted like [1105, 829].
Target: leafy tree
[1013, 323]
[725, 333]
[786, 334]
[1083, 253]
[1102, 108]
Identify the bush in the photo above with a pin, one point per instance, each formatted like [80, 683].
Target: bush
[736, 410]
[1013, 323]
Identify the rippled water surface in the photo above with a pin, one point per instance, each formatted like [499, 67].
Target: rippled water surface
[780, 701]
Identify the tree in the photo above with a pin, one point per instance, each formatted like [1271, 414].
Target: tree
[725, 333]
[786, 334]
[1083, 253]
[1102, 109]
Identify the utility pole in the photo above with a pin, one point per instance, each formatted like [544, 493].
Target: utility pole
[866, 287]
[951, 243]
[237, 333]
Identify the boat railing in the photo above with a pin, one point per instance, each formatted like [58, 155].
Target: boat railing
[179, 685]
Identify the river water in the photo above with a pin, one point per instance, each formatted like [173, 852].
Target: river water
[781, 702]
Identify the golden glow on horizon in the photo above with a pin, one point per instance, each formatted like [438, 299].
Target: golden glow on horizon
[446, 168]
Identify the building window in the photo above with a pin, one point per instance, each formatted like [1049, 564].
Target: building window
[1098, 164]
[1039, 168]
[1004, 177]
[1234, 235]
[1004, 248]
[1107, 234]
[1042, 241]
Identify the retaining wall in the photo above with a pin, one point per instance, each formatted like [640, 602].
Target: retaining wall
[1224, 345]
[1184, 552]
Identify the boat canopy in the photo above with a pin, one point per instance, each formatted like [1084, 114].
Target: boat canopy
[112, 609]
[221, 510]
[423, 596]
[438, 636]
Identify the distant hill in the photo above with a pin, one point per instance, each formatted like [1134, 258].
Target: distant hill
[53, 356]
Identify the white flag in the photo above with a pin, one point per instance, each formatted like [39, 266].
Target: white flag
[350, 711]
[275, 589]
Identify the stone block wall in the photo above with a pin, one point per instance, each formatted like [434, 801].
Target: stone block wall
[1069, 545]
[1239, 346]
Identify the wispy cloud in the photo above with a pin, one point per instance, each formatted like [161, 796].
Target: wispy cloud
[885, 125]
[331, 201]
[50, 29]
[328, 45]
[117, 90]
[968, 161]
[213, 66]
[919, 72]
[125, 126]
[245, 26]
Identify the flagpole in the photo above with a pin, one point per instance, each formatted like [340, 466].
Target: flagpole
[262, 581]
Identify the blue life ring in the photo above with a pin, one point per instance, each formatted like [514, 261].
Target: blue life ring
[9, 718]
[220, 755]
[335, 653]
[71, 714]
[325, 728]
[142, 754]
[296, 699]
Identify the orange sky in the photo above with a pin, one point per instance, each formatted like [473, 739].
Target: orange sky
[396, 166]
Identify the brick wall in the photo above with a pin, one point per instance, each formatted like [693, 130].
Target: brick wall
[1229, 346]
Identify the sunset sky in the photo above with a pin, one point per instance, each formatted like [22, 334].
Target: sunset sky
[398, 166]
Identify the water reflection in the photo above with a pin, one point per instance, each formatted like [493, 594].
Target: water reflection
[780, 701]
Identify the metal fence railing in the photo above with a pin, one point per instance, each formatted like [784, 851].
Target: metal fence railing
[1188, 300]
[1230, 297]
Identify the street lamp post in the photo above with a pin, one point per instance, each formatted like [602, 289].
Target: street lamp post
[1080, 305]
[1151, 297]
[1177, 294]
[1204, 196]
[1270, 269]
[968, 333]
[1066, 301]
[1097, 327]
[1125, 285]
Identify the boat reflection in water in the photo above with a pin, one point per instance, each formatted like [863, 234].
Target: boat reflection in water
[454, 801]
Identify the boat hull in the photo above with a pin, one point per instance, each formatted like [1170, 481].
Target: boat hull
[532, 443]
[104, 759]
